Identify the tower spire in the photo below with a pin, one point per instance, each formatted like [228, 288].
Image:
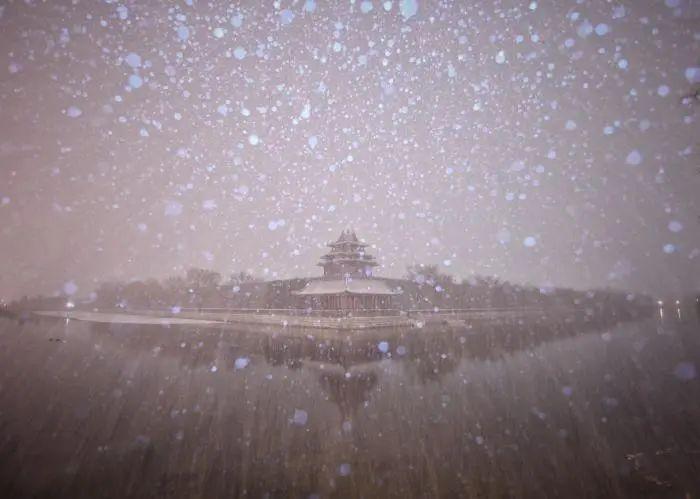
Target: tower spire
[347, 258]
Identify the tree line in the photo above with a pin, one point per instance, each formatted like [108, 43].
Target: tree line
[422, 287]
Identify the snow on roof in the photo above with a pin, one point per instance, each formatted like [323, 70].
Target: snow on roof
[351, 286]
[347, 236]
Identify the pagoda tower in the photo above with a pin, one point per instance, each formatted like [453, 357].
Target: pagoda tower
[347, 259]
[347, 285]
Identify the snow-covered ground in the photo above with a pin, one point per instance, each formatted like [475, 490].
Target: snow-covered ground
[121, 318]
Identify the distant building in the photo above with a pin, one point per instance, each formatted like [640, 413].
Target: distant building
[347, 283]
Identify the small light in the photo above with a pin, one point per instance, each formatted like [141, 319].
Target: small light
[660, 303]
[70, 304]
[678, 302]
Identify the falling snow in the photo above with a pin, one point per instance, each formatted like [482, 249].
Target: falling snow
[634, 158]
[493, 129]
[170, 168]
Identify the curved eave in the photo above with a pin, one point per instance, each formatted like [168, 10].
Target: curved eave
[350, 243]
[352, 287]
[358, 263]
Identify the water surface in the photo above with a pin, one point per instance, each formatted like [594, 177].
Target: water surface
[575, 409]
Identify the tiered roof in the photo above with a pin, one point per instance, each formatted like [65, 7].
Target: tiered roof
[352, 287]
[349, 250]
[345, 269]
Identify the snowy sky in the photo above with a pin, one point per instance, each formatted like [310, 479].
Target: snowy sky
[544, 142]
